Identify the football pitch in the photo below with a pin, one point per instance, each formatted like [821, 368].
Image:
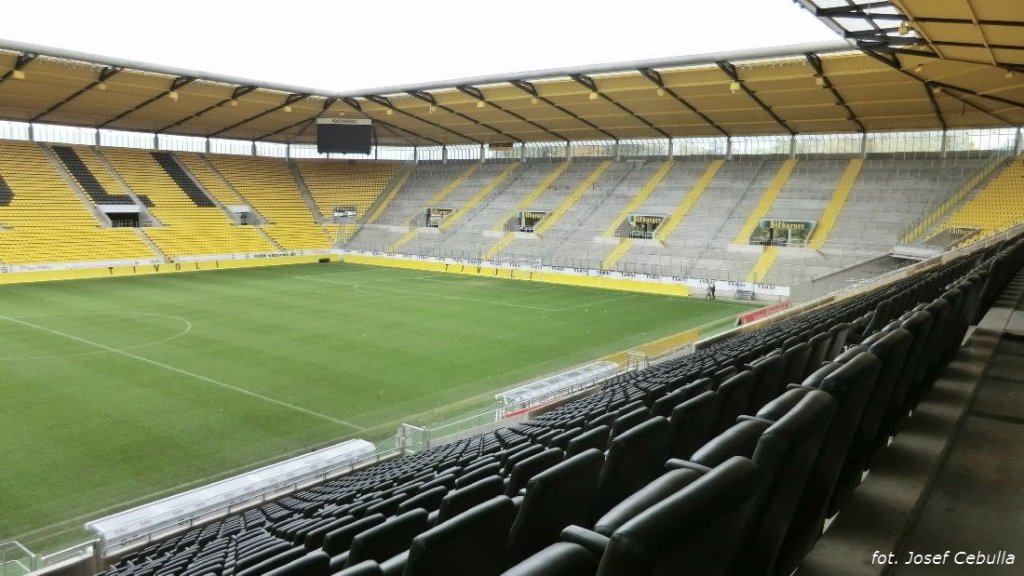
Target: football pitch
[120, 391]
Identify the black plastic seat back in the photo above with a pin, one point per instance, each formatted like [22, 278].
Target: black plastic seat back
[478, 473]
[628, 420]
[919, 324]
[519, 455]
[691, 424]
[429, 500]
[312, 564]
[696, 530]
[593, 438]
[892, 350]
[523, 471]
[840, 333]
[785, 453]
[634, 458]
[663, 406]
[820, 345]
[733, 398]
[794, 361]
[559, 559]
[930, 362]
[768, 381]
[556, 498]
[851, 385]
[562, 440]
[387, 539]
[471, 543]
[462, 499]
[272, 562]
[657, 490]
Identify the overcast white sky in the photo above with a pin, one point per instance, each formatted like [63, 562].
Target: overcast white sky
[341, 46]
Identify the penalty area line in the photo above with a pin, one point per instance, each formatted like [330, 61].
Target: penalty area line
[200, 377]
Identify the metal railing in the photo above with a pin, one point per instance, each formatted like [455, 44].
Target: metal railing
[16, 559]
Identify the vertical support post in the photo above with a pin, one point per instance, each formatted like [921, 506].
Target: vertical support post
[483, 155]
[156, 142]
[728, 147]
[444, 154]
[617, 150]
[671, 148]
[31, 132]
[1018, 144]
[863, 144]
[792, 147]
[415, 155]
[568, 150]
[252, 147]
[206, 145]
[942, 148]
[95, 137]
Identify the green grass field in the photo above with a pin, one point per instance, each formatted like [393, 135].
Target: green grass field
[119, 391]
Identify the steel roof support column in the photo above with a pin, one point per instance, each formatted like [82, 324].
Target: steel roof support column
[483, 155]
[415, 154]
[444, 154]
[618, 154]
[1018, 145]
[863, 144]
[728, 147]
[942, 148]
[670, 148]
[792, 147]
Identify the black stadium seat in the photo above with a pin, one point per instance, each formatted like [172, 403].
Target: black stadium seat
[695, 530]
[559, 496]
[471, 543]
[634, 458]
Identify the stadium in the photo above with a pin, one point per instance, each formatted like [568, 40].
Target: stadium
[745, 312]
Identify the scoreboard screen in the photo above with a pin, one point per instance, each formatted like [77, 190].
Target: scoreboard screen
[344, 136]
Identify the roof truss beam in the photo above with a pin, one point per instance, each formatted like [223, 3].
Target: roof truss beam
[815, 61]
[386, 102]
[850, 12]
[291, 99]
[105, 74]
[20, 62]
[235, 95]
[592, 86]
[429, 98]
[935, 106]
[655, 77]
[307, 121]
[176, 84]
[479, 95]
[964, 100]
[733, 74]
[354, 104]
[530, 89]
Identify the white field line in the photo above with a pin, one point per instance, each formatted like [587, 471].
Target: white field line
[206, 379]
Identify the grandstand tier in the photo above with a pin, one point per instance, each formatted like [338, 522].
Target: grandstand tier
[729, 459]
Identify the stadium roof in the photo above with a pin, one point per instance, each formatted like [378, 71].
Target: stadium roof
[923, 64]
